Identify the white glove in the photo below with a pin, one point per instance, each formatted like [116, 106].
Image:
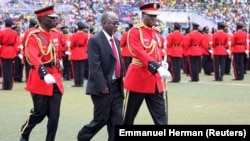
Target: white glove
[49, 79]
[164, 64]
[68, 52]
[247, 52]
[20, 56]
[210, 51]
[228, 51]
[20, 46]
[164, 73]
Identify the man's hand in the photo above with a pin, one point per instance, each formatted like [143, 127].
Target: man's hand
[105, 91]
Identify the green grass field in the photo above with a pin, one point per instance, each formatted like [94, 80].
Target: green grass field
[203, 102]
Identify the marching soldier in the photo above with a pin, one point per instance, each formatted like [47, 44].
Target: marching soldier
[206, 56]
[66, 52]
[229, 56]
[43, 49]
[78, 47]
[194, 53]
[174, 48]
[185, 65]
[143, 79]
[219, 49]
[8, 52]
[239, 50]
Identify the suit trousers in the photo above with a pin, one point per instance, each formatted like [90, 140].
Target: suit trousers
[107, 111]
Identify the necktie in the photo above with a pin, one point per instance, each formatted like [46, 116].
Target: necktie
[117, 66]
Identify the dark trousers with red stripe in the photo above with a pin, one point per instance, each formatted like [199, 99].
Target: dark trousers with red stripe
[44, 106]
[7, 73]
[238, 65]
[194, 67]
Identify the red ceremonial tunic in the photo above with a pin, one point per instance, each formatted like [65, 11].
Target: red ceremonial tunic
[123, 44]
[38, 53]
[145, 45]
[9, 43]
[220, 42]
[78, 46]
[239, 43]
[174, 46]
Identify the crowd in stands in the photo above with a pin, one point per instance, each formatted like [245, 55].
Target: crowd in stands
[90, 11]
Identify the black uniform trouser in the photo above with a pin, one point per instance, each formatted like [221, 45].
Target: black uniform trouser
[44, 106]
[155, 103]
[78, 72]
[207, 64]
[27, 67]
[219, 66]
[185, 65]
[238, 65]
[66, 67]
[107, 111]
[18, 75]
[228, 65]
[175, 69]
[194, 65]
[8, 73]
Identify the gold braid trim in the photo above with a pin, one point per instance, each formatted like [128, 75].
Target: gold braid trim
[152, 44]
[137, 62]
[43, 53]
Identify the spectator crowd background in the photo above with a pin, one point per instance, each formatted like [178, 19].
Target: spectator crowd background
[90, 11]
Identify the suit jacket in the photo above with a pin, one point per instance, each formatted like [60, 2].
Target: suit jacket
[101, 64]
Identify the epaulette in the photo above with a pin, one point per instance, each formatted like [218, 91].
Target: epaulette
[139, 25]
[157, 29]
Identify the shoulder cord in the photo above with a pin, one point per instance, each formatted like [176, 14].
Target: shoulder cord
[43, 53]
[152, 44]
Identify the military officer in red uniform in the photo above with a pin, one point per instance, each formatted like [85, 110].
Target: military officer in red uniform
[206, 56]
[239, 50]
[79, 55]
[194, 53]
[219, 47]
[43, 50]
[185, 65]
[175, 49]
[8, 52]
[126, 55]
[65, 39]
[143, 79]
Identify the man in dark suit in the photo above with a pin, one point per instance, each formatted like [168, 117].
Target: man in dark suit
[105, 83]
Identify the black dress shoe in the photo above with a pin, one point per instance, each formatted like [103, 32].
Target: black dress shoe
[23, 139]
